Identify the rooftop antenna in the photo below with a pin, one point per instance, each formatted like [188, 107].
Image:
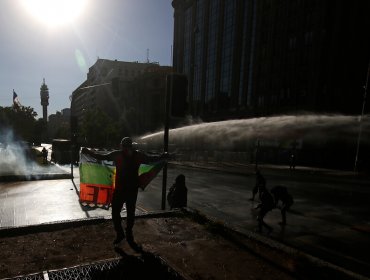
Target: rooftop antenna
[147, 55]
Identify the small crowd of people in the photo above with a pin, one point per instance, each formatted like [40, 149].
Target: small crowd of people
[127, 161]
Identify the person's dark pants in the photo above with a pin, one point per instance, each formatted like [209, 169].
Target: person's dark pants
[283, 210]
[119, 198]
[254, 191]
[263, 211]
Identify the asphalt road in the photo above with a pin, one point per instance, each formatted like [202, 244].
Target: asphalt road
[329, 218]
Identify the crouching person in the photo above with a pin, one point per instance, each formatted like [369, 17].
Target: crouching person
[177, 196]
[266, 205]
[281, 193]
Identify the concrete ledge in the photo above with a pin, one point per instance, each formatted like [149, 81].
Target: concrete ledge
[66, 224]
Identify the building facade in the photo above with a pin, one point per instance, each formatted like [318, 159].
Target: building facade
[59, 124]
[102, 86]
[247, 58]
[130, 93]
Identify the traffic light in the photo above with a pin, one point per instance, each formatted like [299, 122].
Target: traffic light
[177, 88]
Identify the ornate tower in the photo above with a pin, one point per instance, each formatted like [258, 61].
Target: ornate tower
[44, 94]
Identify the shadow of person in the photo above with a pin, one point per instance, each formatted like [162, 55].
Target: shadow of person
[120, 252]
[128, 267]
[134, 246]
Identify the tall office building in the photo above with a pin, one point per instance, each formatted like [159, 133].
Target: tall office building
[246, 58]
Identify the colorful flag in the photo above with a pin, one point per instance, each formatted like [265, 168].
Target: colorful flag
[97, 179]
[16, 102]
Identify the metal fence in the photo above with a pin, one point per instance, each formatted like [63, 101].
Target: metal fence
[146, 266]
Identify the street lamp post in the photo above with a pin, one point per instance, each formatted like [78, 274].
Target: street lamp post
[169, 87]
[362, 114]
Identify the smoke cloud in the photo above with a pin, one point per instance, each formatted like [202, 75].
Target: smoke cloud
[17, 158]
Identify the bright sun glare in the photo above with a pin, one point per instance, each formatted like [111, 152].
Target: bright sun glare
[55, 12]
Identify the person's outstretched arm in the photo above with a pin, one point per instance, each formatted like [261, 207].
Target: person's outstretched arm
[145, 158]
[108, 156]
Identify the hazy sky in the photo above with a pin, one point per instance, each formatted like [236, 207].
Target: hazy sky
[32, 49]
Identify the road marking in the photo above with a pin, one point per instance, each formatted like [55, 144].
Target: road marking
[142, 209]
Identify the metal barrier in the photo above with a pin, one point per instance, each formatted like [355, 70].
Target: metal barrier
[128, 267]
[88, 271]
[37, 276]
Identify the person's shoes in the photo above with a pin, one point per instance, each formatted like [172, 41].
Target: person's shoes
[136, 247]
[118, 239]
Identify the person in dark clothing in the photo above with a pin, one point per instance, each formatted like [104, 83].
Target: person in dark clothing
[281, 193]
[44, 154]
[266, 205]
[260, 184]
[127, 161]
[178, 194]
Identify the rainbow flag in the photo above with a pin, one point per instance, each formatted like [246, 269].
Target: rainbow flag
[97, 179]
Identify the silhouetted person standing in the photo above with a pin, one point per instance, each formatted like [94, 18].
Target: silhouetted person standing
[266, 205]
[178, 194]
[127, 161]
[281, 193]
[260, 184]
[44, 154]
[292, 161]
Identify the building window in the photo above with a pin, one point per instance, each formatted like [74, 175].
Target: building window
[227, 46]
[187, 40]
[308, 38]
[198, 53]
[214, 11]
[245, 51]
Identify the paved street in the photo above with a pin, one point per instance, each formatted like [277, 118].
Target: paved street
[329, 218]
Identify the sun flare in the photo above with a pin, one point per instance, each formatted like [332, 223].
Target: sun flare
[55, 12]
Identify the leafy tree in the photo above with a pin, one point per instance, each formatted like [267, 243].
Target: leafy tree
[99, 130]
[21, 120]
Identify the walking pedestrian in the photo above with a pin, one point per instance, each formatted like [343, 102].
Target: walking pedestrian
[260, 184]
[44, 154]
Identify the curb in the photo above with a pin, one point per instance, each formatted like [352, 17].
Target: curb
[67, 224]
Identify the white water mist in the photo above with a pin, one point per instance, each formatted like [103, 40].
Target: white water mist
[231, 134]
